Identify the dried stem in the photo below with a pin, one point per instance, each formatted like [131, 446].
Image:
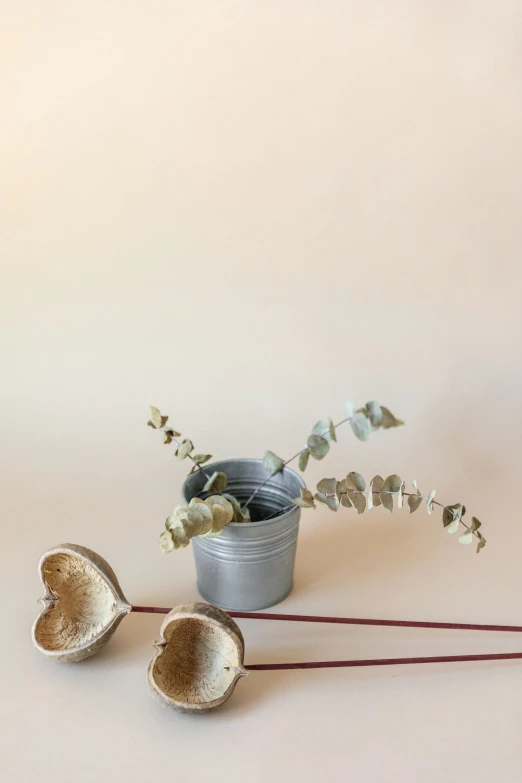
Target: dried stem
[291, 459]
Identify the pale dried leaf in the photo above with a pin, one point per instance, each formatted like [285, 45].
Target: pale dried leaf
[324, 428]
[466, 537]
[414, 501]
[451, 516]
[429, 501]
[216, 483]
[386, 499]
[272, 463]
[318, 446]
[349, 408]
[375, 487]
[358, 501]
[166, 541]
[327, 486]
[201, 458]
[481, 544]
[226, 505]
[329, 500]
[400, 496]
[156, 417]
[306, 500]
[304, 456]
[354, 480]
[236, 505]
[360, 426]
[199, 518]
[184, 450]
[389, 420]
[374, 413]
[475, 524]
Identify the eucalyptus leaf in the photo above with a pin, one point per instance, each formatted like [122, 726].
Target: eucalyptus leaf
[373, 412]
[358, 501]
[325, 428]
[201, 458]
[375, 487]
[327, 486]
[236, 505]
[475, 524]
[392, 484]
[481, 544]
[389, 420]
[400, 496]
[318, 446]
[354, 480]
[451, 516]
[349, 408]
[167, 436]
[331, 501]
[429, 501]
[216, 483]
[466, 537]
[199, 518]
[306, 500]
[272, 463]
[304, 456]
[341, 491]
[222, 512]
[414, 501]
[166, 541]
[224, 503]
[360, 426]
[184, 450]
[156, 418]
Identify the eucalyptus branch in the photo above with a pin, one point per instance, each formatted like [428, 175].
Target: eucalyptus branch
[363, 421]
[351, 492]
[185, 447]
[324, 435]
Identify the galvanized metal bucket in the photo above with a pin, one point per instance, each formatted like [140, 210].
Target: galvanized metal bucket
[250, 565]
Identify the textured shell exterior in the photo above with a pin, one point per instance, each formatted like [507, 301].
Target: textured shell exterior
[82, 606]
[199, 658]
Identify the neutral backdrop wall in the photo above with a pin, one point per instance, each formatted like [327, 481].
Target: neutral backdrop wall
[243, 213]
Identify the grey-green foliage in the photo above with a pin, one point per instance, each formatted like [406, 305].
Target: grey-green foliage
[184, 448]
[351, 492]
[205, 518]
[363, 422]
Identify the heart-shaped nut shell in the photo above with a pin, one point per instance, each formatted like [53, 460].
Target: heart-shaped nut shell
[199, 658]
[83, 603]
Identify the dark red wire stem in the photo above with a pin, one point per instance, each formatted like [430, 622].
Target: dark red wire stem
[257, 667]
[303, 618]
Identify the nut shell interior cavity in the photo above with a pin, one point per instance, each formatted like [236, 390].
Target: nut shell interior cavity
[199, 658]
[82, 606]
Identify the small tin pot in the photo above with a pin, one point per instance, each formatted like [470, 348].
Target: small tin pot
[250, 565]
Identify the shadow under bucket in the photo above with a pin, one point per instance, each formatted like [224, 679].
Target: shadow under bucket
[250, 565]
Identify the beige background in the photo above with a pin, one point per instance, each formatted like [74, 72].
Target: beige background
[243, 212]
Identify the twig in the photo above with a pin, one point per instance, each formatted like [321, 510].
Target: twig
[291, 459]
[257, 667]
[305, 618]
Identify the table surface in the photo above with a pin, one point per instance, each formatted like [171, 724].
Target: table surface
[243, 213]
